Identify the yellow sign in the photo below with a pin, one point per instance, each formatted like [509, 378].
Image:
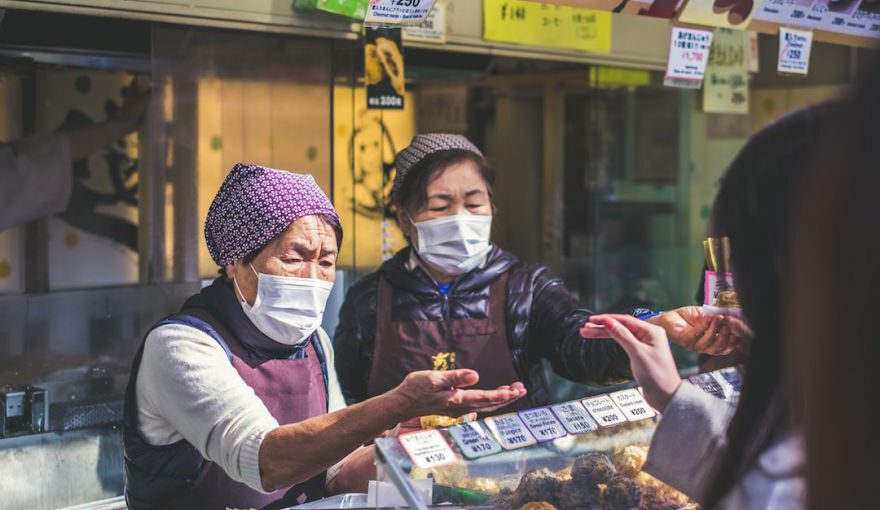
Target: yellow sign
[602, 76]
[548, 26]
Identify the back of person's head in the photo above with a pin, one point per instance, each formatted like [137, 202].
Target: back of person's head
[831, 326]
[753, 209]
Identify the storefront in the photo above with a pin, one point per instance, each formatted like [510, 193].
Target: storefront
[605, 175]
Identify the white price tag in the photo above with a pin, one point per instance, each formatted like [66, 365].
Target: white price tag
[794, 51]
[432, 30]
[575, 418]
[543, 424]
[732, 378]
[510, 431]
[427, 449]
[688, 56]
[604, 410]
[473, 440]
[398, 12]
[708, 384]
[633, 405]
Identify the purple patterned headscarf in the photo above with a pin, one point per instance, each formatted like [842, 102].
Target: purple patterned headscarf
[254, 205]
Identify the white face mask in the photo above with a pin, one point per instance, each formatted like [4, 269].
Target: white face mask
[454, 245]
[287, 309]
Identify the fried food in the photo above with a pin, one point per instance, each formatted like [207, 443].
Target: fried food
[592, 469]
[536, 486]
[453, 475]
[392, 62]
[629, 461]
[579, 496]
[656, 495]
[622, 493]
[484, 485]
[503, 500]
[540, 505]
[373, 70]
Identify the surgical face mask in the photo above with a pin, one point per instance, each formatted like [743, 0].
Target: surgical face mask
[454, 245]
[287, 309]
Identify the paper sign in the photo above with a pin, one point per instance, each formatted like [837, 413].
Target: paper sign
[384, 69]
[753, 54]
[688, 56]
[432, 30]
[549, 26]
[708, 384]
[473, 440]
[604, 410]
[726, 87]
[543, 424]
[510, 431]
[632, 404]
[575, 418]
[794, 51]
[398, 12]
[427, 449]
[731, 378]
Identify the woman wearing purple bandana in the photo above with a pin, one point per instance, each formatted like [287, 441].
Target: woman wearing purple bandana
[234, 401]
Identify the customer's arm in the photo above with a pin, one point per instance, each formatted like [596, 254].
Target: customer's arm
[556, 319]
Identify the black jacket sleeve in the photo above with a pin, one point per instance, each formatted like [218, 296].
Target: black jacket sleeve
[557, 317]
[349, 344]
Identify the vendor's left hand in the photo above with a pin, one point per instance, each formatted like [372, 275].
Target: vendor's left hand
[695, 330]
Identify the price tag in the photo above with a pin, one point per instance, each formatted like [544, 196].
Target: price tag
[427, 449]
[732, 378]
[794, 51]
[473, 440]
[603, 409]
[575, 418]
[432, 30]
[398, 12]
[543, 424]
[688, 56]
[510, 431]
[633, 405]
[708, 384]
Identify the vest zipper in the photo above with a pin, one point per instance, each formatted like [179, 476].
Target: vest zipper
[446, 307]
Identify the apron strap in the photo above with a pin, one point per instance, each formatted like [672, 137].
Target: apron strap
[498, 303]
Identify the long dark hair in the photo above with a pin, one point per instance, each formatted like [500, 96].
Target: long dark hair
[832, 317]
[753, 209]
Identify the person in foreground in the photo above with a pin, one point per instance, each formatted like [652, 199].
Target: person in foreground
[234, 401]
[452, 298]
[755, 459]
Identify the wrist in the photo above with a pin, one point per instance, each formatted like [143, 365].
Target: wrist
[662, 396]
[398, 406]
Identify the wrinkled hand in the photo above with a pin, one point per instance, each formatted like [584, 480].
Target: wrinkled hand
[649, 355]
[695, 330]
[442, 392]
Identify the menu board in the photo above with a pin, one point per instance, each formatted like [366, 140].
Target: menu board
[604, 410]
[473, 440]
[548, 26]
[510, 431]
[543, 424]
[575, 418]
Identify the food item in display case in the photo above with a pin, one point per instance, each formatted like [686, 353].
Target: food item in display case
[656, 495]
[540, 485]
[593, 468]
[543, 505]
[392, 62]
[622, 493]
[453, 475]
[629, 461]
[484, 485]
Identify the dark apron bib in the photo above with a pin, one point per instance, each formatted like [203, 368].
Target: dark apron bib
[477, 344]
[293, 390]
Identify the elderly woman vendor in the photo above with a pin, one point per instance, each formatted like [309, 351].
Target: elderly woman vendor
[452, 299]
[234, 401]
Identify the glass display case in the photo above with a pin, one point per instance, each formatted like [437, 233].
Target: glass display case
[583, 454]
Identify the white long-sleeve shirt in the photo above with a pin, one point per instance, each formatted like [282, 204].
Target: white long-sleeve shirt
[36, 178]
[188, 389]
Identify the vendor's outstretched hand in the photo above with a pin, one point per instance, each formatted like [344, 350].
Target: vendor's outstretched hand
[444, 392]
[695, 330]
[649, 356]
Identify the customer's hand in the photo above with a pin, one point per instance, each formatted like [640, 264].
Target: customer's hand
[695, 330]
[443, 392]
[648, 350]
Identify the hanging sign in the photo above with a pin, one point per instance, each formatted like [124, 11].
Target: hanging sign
[473, 440]
[794, 51]
[726, 87]
[547, 26]
[688, 56]
[510, 431]
[383, 68]
[398, 12]
[432, 30]
[543, 424]
[575, 418]
[427, 449]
